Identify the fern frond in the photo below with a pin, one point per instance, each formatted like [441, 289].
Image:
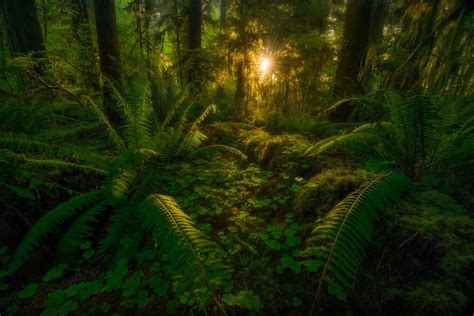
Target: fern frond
[192, 252]
[117, 226]
[63, 165]
[48, 224]
[122, 175]
[173, 109]
[337, 242]
[79, 231]
[112, 134]
[29, 144]
[192, 141]
[362, 143]
[211, 109]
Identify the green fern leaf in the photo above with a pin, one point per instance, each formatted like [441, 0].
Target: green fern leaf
[79, 231]
[193, 254]
[48, 224]
[337, 242]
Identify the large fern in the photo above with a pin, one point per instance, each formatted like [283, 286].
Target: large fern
[187, 247]
[336, 245]
[420, 135]
[48, 225]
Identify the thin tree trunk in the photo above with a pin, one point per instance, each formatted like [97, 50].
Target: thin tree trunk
[223, 13]
[109, 51]
[2, 50]
[194, 43]
[178, 41]
[45, 20]
[138, 22]
[149, 11]
[81, 33]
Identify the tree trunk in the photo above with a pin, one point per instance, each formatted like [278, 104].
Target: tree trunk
[356, 40]
[378, 21]
[81, 34]
[2, 51]
[239, 97]
[194, 42]
[223, 12]
[23, 27]
[109, 51]
[149, 11]
[45, 20]
[80, 21]
[178, 42]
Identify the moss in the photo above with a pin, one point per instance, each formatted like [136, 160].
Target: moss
[327, 188]
[424, 259]
[276, 151]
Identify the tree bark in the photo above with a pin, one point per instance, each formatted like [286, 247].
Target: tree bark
[109, 51]
[23, 27]
[223, 12]
[194, 42]
[356, 40]
[378, 21]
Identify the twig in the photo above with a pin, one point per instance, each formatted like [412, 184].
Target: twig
[407, 240]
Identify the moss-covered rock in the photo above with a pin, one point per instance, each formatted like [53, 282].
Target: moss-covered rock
[325, 189]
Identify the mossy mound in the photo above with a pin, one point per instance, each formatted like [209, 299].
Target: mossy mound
[325, 189]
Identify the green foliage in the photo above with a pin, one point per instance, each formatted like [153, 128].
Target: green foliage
[163, 218]
[421, 135]
[48, 224]
[337, 242]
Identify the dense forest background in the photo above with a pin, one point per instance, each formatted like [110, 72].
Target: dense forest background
[236, 157]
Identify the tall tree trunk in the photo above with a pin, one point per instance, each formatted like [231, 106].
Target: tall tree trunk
[149, 11]
[44, 10]
[81, 34]
[179, 53]
[80, 21]
[23, 27]
[379, 12]
[2, 50]
[354, 49]
[194, 43]
[138, 22]
[109, 51]
[223, 12]
[239, 97]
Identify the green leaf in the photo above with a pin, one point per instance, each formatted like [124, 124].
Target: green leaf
[132, 284]
[158, 285]
[55, 273]
[28, 291]
[288, 262]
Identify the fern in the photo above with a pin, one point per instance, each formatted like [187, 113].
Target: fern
[79, 231]
[48, 224]
[362, 143]
[27, 143]
[136, 108]
[112, 134]
[337, 242]
[190, 250]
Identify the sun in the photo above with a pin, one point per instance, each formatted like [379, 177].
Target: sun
[265, 65]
